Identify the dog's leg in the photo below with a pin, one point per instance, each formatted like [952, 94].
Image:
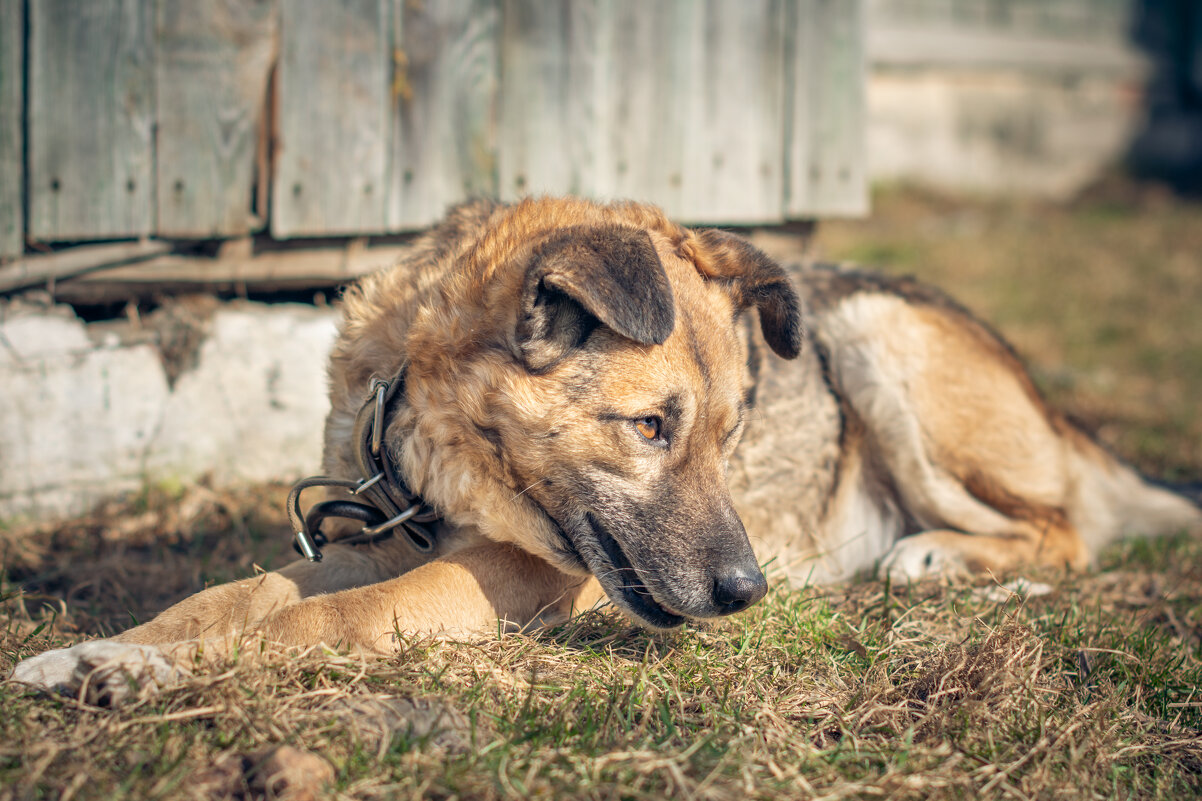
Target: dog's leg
[967, 445]
[229, 609]
[467, 592]
[943, 551]
[218, 615]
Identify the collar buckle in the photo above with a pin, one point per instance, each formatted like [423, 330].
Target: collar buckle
[388, 504]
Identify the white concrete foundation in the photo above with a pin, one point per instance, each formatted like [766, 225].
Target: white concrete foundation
[81, 422]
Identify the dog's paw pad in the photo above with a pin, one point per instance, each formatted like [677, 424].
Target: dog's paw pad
[99, 672]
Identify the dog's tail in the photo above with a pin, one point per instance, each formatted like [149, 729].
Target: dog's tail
[1113, 500]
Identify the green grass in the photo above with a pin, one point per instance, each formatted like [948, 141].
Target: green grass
[863, 690]
[924, 691]
[932, 690]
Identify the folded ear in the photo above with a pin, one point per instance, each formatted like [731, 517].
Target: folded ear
[755, 280]
[588, 275]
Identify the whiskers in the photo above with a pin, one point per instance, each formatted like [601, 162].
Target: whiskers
[634, 585]
[532, 486]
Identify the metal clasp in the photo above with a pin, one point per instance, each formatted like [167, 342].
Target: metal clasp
[388, 525]
[307, 546]
[366, 485]
[377, 426]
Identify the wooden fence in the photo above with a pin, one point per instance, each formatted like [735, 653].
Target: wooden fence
[199, 119]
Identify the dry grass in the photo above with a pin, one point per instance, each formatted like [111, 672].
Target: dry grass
[937, 690]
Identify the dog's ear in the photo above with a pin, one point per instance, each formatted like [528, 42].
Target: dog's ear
[585, 275]
[755, 280]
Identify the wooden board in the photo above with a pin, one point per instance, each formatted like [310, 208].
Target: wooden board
[640, 109]
[826, 162]
[12, 127]
[324, 267]
[91, 119]
[49, 268]
[443, 99]
[334, 124]
[213, 62]
[732, 138]
[547, 98]
[1062, 20]
[678, 103]
[387, 111]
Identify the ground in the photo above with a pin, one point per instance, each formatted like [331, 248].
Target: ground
[1080, 686]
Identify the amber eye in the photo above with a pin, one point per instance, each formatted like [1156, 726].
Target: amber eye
[649, 427]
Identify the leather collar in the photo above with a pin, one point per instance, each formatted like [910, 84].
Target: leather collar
[380, 500]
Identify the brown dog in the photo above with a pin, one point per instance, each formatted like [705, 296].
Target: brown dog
[560, 387]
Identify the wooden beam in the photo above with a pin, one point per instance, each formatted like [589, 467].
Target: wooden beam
[946, 46]
[322, 267]
[65, 264]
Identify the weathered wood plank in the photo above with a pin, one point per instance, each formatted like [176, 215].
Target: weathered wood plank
[641, 107]
[547, 137]
[63, 264]
[1063, 20]
[694, 107]
[91, 115]
[321, 267]
[948, 46]
[12, 127]
[679, 103]
[827, 173]
[334, 122]
[443, 94]
[213, 62]
[734, 116]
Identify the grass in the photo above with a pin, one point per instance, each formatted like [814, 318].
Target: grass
[945, 689]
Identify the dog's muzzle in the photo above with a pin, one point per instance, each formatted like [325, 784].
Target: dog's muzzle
[718, 588]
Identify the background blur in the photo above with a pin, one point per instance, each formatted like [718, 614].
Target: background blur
[185, 184]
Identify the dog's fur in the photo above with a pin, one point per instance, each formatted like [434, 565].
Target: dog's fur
[578, 378]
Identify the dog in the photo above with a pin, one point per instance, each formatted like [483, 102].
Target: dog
[559, 402]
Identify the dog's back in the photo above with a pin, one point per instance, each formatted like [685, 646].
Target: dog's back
[933, 428]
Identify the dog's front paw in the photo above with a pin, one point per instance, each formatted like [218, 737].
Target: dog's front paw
[49, 671]
[919, 556]
[100, 672]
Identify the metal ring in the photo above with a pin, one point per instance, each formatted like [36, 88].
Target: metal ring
[393, 523]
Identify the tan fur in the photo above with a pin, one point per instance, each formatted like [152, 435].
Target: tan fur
[905, 416]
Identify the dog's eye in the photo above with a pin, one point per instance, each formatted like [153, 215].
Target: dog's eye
[650, 428]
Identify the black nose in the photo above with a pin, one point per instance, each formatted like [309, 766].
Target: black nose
[737, 589]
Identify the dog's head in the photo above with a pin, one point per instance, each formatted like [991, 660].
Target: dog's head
[600, 380]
